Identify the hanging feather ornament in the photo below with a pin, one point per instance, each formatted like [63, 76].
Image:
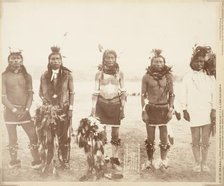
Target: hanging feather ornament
[46, 119]
[92, 137]
[100, 47]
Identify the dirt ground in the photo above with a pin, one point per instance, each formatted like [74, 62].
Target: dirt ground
[132, 132]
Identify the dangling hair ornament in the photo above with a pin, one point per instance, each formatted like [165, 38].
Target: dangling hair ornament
[100, 47]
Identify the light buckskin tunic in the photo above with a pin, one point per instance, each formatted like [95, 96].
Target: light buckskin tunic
[198, 97]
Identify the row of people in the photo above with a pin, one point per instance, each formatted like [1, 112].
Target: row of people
[108, 101]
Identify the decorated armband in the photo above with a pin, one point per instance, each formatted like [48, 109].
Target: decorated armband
[70, 107]
[71, 93]
[171, 95]
[96, 93]
[123, 95]
[171, 100]
[143, 109]
[30, 91]
[146, 101]
[95, 96]
[144, 95]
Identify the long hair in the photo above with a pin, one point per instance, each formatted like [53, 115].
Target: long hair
[210, 65]
[61, 75]
[23, 71]
[109, 70]
[22, 67]
[194, 58]
[106, 52]
[199, 51]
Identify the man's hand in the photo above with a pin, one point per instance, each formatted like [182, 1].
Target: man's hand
[145, 117]
[186, 115]
[20, 113]
[44, 101]
[213, 116]
[178, 116]
[93, 112]
[122, 116]
[169, 115]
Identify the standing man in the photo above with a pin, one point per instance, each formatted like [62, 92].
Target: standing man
[157, 99]
[56, 88]
[198, 103]
[109, 99]
[17, 96]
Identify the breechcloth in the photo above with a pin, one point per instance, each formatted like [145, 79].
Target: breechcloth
[157, 113]
[11, 118]
[108, 110]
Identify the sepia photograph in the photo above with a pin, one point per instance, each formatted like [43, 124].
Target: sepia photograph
[112, 92]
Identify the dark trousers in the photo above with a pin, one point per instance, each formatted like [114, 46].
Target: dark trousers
[61, 131]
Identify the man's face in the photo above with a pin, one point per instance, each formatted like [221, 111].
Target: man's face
[199, 63]
[109, 60]
[55, 61]
[158, 63]
[15, 61]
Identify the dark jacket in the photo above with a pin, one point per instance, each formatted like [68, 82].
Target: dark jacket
[64, 88]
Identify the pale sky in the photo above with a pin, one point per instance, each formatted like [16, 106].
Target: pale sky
[132, 29]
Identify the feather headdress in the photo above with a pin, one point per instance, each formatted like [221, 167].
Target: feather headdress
[55, 49]
[16, 52]
[201, 50]
[157, 52]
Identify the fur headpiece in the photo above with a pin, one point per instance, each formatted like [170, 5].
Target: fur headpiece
[201, 50]
[157, 53]
[15, 52]
[55, 49]
[210, 58]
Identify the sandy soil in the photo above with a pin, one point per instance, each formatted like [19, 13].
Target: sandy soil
[132, 132]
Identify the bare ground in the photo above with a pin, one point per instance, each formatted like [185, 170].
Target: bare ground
[132, 131]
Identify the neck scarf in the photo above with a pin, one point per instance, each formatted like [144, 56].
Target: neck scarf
[54, 74]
